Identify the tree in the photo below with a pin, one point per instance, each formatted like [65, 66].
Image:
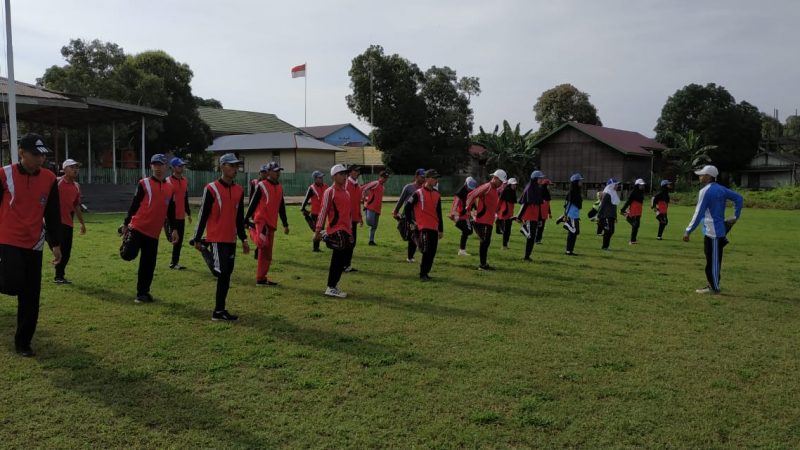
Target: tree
[209, 102]
[509, 149]
[420, 118]
[792, 127]
[152, 78]
[563, 103]
[712, 112]
[688, 152]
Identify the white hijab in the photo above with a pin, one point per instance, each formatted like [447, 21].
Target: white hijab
[612, 191]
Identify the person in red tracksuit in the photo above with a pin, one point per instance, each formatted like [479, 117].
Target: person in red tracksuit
[532, 211]
[372, 196]
[262, 175]
[505, 210]
[29, 207]
[152, 205]
[460, 215]
[487, 200]
[632, 209]
[660, 205]
[424, 210]
[181, 187]
[354, 189]
[547, 213]
[335, 211]
[69, 193]
[265, 207]
[314, 198]
[222, 218]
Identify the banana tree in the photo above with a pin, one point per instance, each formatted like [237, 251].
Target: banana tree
[688, 153]
[509, 149]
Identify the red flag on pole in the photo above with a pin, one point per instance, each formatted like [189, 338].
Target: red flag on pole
[299, 71]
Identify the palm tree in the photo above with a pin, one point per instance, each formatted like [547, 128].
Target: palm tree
[688, 153]
[509, 149]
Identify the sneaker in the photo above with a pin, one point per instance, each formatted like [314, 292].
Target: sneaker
[61, 281]
[570, 253]
[411, 260]
[334, 292]
[538, 242]
[424, 278]
[485, 268]
[606, 249]
[527, 258]
[264, 283]
[349, 269]
[177, 266]
[707, 290]
[371, 243]
[316, 250]
[659, 238]
[25, 351]
[463, 253]
[224, 315]
[505, 247]
[633, 243]
[144, 298]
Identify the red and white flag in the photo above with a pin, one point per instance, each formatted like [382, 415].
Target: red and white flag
[299, 71]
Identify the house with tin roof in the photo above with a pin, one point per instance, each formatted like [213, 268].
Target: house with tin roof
[598, 153]
[341, 135]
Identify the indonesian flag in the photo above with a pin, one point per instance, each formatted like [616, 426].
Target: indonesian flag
[299, 71]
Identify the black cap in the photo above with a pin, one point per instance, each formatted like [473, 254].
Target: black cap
[33, 143]
[354, 167]
[431, 173]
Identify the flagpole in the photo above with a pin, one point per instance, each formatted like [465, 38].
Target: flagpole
[12, 89]
[305, 96]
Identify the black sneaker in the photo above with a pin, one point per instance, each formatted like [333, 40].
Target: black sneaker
[223, 315]
[371, 243]
[424, 278]
[144, 298]
[485, 267]
[25, 351]
[316, 250]
[61, 281]
[177, 266]
[263, 283]
[349, 269]
[528, 258]
[570, 253]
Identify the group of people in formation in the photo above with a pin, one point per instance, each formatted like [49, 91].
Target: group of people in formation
[36, 208]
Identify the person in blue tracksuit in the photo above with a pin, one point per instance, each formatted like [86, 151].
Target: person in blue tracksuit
[711, 212]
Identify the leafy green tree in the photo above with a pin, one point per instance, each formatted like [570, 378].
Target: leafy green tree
[209, 102]
[712, 112]
[509, 149]
[152, 78]
[563, 103]
[688, 152]
[792, 127]
[420, 118]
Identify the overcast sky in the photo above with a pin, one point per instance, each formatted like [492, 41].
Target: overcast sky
[629, 56]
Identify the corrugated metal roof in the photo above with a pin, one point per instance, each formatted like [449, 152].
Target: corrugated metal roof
[365, 156]
[627, 142]
[323, 131]
[231, 121]
[30, 90]
[269, 141]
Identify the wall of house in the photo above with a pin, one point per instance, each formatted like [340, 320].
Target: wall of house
[309, 161]
[345, 135]
[769, 160]
[571, 151]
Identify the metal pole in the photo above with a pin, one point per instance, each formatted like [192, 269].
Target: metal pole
[114, 149]
[144, 175]
[305, 96]
[12, 90]
[89, 152]
[66, 144]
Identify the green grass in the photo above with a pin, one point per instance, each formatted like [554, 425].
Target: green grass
[603, 350]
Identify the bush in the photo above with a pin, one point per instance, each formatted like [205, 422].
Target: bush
[779, 198]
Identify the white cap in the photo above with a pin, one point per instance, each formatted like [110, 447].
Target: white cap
[69, 162]
[640, 182]
[708, 170]
[512, 181]
[501, 174]
[338, 168]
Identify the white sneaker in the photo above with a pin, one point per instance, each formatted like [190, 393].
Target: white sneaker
[463, 253]
[707, 290]
[333, 292]
[410, 260]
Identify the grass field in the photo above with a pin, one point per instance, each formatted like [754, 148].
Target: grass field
[602, 350]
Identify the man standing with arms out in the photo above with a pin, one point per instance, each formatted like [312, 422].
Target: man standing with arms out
[265, 207]
[69, 194]
[221, 211]
[336, 211]
[372, 195]
[711, 211]
[487, 199]
[152, 205]
[28, 194]
[354, 189]
[314, 197]
[405, 194]
[180, 186]
[424, 209]
[632, 209]
[660, 204]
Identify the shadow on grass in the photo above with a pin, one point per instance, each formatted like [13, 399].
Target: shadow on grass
[104, 294]
[369, 354]
[136, 395]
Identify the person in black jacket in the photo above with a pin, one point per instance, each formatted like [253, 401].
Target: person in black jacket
[660, 204]
[572, 212]
[505, 213]
[531, 212]
[546, 211]
[607, 213]
[632, 209]
[460, 215]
